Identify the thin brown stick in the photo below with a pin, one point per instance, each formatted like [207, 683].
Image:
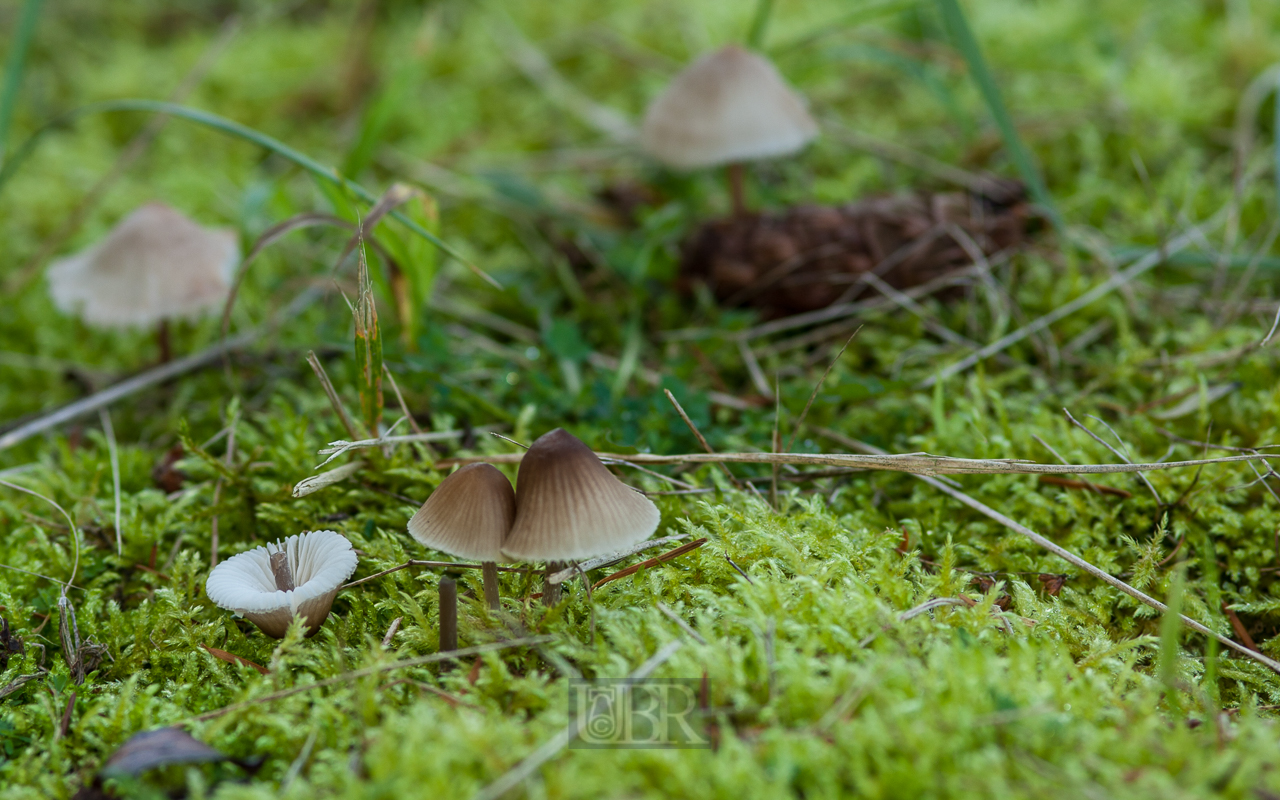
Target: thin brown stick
[332, 394]
[65, 726]
[1067, 483]
[697, 434]
[652, 562]
[1073, 559]
[613, 558]
[434, 658]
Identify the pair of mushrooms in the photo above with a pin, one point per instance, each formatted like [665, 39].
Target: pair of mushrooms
[156, 265]
[566, 506]
[726, 108]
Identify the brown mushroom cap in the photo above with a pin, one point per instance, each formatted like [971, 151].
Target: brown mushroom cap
[154, 265]
[728, 106]
[468, 515]
[569, 506]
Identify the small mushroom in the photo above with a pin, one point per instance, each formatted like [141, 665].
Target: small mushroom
[570, 507]
[154, 266]
[727, 107]
[468, 516]
[268, 585]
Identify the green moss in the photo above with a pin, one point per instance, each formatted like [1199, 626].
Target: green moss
[818, 687]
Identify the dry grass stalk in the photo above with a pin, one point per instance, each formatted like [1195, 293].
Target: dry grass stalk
[913, 463]
[1065, 555]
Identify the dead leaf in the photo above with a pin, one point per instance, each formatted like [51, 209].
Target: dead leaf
[232, 658]
[163, 747]
[1052, 583]
[1068, 483]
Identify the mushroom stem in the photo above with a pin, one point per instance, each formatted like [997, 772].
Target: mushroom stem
[551, 591]
[491, 597]
[735, 173]
[280, 569]
[448, 614]
[162, 339]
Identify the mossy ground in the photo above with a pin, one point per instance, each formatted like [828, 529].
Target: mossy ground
[819, 689]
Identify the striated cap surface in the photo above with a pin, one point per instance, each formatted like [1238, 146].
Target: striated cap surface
[569, 506]
[468, 515]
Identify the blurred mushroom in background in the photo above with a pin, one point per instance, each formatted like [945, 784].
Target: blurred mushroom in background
[155, 265]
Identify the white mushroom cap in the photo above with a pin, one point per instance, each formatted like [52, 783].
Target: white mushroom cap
[728, 106]
[319, 562]
[468, 515]
[569, 506]
[154, 265]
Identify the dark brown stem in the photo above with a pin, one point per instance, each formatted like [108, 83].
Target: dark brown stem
[551, 591]
[491, 596]
[736, 192]
[280, 569]
[162, 339]
[448, 614]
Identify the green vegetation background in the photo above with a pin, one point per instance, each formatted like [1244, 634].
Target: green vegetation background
[819, 689]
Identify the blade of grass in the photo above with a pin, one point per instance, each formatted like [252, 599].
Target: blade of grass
[114, 453]
[13, 68]
[759, 24]
[956, 22]
[231, 128]
[863, 13]
[368, 350]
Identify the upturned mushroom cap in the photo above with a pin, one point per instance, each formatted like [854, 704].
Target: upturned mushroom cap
[156, 264]
[468, 515]
[730, 105]
[569, 506]
[319, 562]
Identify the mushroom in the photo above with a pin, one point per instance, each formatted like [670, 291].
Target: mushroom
[570, 507]
[268, 585]
[154, 266]
[727, 107]
[468, 516]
